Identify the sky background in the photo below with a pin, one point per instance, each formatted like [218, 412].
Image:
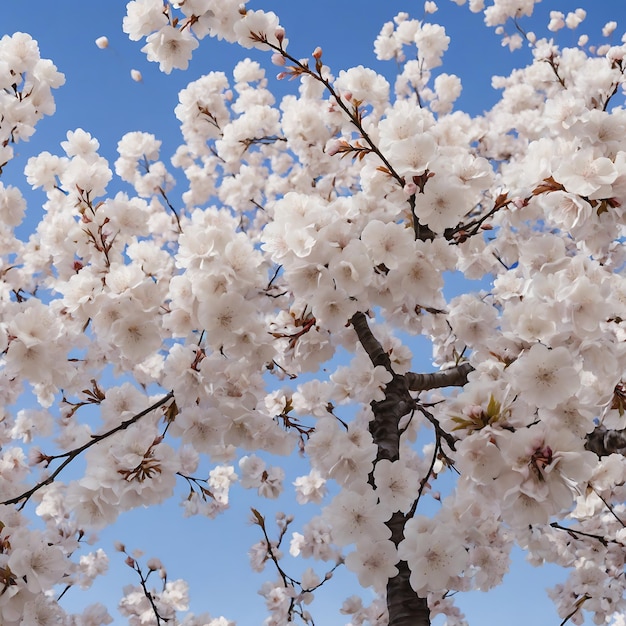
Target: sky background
[100, 97]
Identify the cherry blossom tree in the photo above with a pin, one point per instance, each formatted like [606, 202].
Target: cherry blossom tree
[163, 336]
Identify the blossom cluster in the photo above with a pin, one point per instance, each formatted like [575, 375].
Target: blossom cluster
[160, 332]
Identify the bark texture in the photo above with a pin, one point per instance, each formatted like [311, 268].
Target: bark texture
[603, 441]
[405, 607]
[453, 377]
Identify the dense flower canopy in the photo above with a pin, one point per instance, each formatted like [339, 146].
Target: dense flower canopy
[159, 337]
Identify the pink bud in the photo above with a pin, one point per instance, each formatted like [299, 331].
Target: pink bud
[410, 189]
[317, 53]
[278, 59]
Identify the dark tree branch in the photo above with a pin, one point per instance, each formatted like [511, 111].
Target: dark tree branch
[603, 441]
[453, 377]
[405, 607]
[72, 454]
[372, 346]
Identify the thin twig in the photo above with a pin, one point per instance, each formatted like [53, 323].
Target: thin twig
[72, 454]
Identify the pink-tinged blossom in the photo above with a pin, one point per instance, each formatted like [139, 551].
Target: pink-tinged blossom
[548, 468]
[586, 174]
[41, 611]
[387, 244]
[310, 488]
[316, 542]
[355, 516]
[448, 89]
[38, 563]
[374, 563]
[443, 203]
[396, 485]
[95, 615]
[434, 556]
[91, 566]
[565, 209]
[556, 21]
[136, 336]
[42, 170]
[472, 320]
[544, 377]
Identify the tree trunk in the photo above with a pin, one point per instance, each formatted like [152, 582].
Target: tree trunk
[405, 607]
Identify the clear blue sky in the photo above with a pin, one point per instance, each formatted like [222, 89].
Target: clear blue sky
[100, 97]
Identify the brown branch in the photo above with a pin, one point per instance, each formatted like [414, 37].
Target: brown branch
[577, 605]
[422, 231]
[572, 532]
[405, 607]
[372, 346]
[609, 507]
[72, 454]
[603, 441]
[171, 206]
[452, 377]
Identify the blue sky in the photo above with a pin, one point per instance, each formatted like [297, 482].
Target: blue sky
[100, 97]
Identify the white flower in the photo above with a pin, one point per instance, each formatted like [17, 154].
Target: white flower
[12, 205]
[333, 308]
[396, 485]
[374, 562]
[252, 468]
[433, 557]
[556, 21]
[544, 469]
[40, 564]
[255, 24]
[448, 89]
[364, 85]
[432, 42]
[171, 48]
[143, 17]
[41, 611]
[91, 566]
[226, 313]
[315, 542]
[136, 336]
[567, 210]
[353, 516]
[472, 320]
[310, 488]
[443, 203]
[586, 175]
[387, 244]
[544, 377]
